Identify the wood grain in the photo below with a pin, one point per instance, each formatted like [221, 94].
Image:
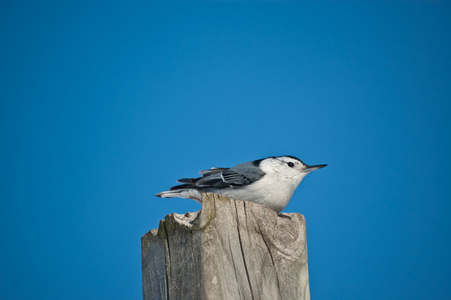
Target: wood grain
[230, 249]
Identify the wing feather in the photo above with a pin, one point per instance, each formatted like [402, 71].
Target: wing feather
[240, 175]
[212, 171]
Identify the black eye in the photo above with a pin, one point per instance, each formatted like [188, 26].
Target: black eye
[290, 164]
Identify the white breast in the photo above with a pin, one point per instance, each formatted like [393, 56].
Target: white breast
[266, 191]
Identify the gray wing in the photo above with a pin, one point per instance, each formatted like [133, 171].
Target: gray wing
[212, 171]
[240, 175]
[243, 174]
[204, 174]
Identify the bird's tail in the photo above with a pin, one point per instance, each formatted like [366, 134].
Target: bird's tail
[181, 193]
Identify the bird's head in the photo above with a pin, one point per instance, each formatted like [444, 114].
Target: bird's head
[287, 168]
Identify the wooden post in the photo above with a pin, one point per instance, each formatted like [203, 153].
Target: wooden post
[230, 249]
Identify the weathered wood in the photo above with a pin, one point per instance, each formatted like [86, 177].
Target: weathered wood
[231, 249]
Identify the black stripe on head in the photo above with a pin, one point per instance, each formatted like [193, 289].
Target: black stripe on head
[294, 157]
[257, 162]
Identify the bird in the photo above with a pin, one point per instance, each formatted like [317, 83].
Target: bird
[268, 181]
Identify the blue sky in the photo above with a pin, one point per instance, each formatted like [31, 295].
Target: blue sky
[105, 104]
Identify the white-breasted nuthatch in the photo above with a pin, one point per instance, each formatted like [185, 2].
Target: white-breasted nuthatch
[269, 181]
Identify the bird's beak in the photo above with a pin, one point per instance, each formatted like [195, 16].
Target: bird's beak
[314, 168]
